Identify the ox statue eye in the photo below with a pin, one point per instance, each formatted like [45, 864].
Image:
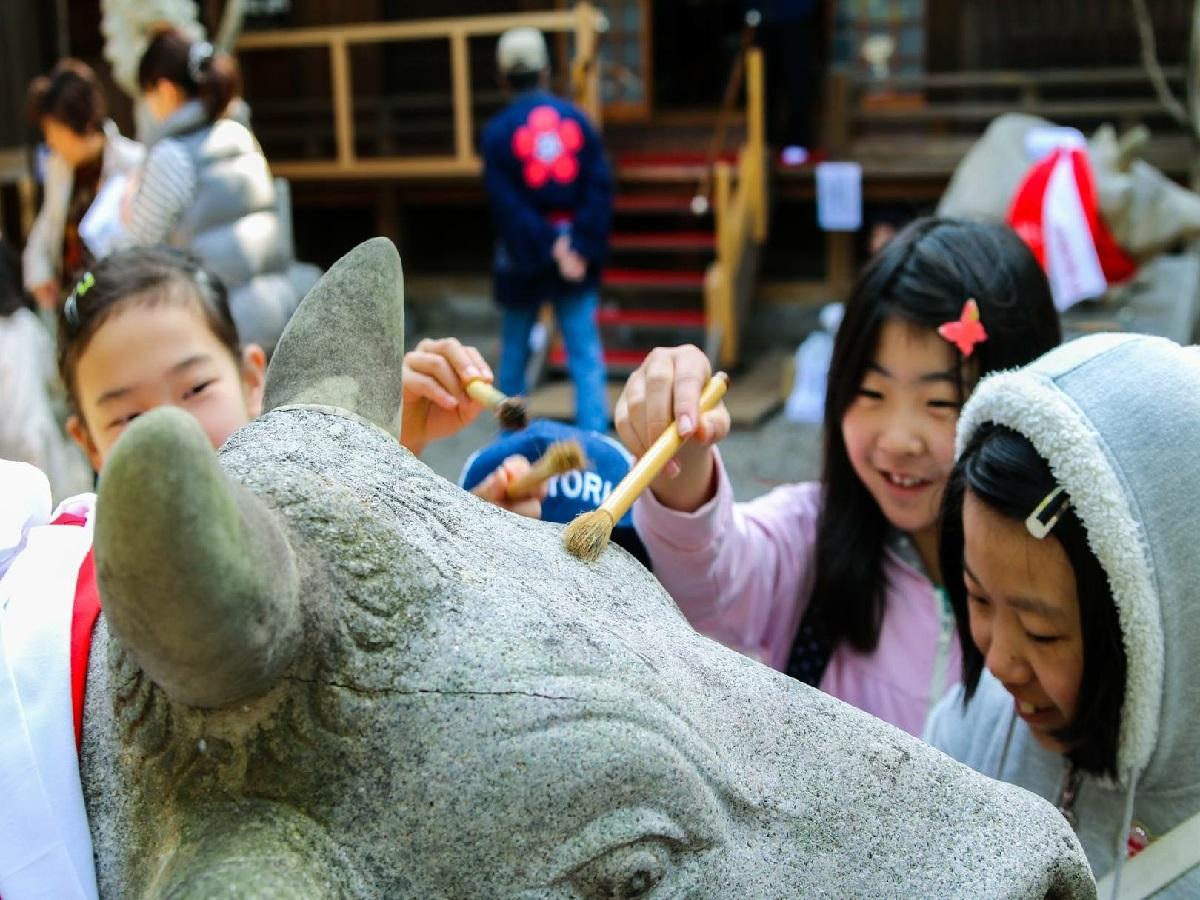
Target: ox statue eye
[625, 873]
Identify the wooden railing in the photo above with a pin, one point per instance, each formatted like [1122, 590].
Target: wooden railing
[740, 210]
[585, 21]
[943, 105]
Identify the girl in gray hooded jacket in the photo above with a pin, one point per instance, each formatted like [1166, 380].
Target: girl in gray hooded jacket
[1068, 550]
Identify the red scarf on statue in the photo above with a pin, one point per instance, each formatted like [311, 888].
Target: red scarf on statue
[1056, 212]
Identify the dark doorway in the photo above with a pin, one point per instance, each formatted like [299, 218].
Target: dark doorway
[694, 45]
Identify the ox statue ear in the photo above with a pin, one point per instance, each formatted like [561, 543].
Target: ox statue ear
[196, 575]
[344, 346]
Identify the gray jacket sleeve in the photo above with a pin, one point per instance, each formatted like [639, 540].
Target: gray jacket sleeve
[43, 248]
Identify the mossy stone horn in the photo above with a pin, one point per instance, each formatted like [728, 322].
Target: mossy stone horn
[196, 576]
[344, 346]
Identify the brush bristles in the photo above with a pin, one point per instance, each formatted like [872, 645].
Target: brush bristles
[588, 535]
[565, 456]
[511, 413]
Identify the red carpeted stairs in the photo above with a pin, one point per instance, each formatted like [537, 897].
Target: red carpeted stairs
[652, 292]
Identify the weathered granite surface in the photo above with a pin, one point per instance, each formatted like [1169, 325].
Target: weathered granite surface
[427, 697]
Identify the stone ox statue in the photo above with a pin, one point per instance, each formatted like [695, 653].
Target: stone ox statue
[324, 671]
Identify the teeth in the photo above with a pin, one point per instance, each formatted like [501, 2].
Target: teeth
[903, 480]
[1027, 708]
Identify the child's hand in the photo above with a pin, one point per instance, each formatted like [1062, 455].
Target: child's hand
[494, 488]
[435, 402]
[665, 388]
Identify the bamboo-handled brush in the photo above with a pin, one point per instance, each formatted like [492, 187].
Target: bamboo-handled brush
[589, 534]
[510, 411]
[560, 457]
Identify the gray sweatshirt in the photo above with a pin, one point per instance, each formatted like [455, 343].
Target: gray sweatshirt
[1118, 419]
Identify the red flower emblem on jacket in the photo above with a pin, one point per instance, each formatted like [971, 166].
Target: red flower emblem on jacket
[547, 144]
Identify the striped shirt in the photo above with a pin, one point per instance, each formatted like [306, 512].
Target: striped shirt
[166, 190]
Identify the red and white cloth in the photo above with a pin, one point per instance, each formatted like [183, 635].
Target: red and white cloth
[1056, 212]
[48, 606]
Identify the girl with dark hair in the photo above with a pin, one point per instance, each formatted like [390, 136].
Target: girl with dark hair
[144, 328]
[148, 327]
[86, 153]
[206, 186]
[837, 583]
[1068, 550]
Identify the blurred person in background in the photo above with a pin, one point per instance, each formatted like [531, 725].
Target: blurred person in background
[206, 186]
[87, 152]
[550, 190]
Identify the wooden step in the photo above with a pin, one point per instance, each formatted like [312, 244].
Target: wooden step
[663, 240]
[617, 361]
[653, 203]
[652, 279]
[650, 318]
[664, 173]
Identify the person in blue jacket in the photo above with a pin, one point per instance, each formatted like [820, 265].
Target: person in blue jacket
[550, 190]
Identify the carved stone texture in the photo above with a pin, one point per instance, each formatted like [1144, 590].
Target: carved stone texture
[451, 706]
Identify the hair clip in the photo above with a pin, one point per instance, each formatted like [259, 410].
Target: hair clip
[966, 331]
[71, 307]
[199, 53]
[1046, 514]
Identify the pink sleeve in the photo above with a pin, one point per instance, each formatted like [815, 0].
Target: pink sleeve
[740, 572]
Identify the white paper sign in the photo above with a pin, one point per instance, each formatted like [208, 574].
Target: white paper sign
[839, 196]
[101, 224]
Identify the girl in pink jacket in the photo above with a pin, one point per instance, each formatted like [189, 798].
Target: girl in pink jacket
[837, 583]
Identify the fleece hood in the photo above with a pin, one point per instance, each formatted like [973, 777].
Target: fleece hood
[1117, 417]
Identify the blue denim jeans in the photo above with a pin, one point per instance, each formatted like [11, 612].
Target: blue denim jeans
[576, 316]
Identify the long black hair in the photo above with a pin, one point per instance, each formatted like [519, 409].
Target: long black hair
[1001, 468]
[923, 277]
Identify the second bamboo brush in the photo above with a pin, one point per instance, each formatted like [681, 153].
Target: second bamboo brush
[589, 534]
[510, 411]
[560, 457]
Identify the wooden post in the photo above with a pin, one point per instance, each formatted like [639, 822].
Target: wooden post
[839, 260]
[587, 61]
[838, 102]
[757, 144]
[722, 310]
[343, 117]
[460, 72]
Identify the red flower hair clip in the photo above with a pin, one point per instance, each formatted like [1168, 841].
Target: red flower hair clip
[967, 331]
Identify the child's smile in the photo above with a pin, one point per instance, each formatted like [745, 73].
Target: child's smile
[159, 354]
[1024, 615]
[899, 431]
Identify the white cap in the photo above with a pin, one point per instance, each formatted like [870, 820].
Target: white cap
[521, 50]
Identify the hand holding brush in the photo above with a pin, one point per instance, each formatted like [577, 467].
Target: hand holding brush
[435, 403]
[560, 457]
[510, 411]
[589, 534]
